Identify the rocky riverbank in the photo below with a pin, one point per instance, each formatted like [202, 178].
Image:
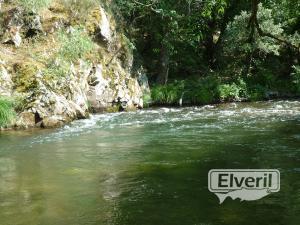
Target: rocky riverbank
[49, 84]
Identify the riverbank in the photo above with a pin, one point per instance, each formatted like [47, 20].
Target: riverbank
[59, 63]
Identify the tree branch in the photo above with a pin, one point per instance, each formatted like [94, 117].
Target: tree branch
[254, 24]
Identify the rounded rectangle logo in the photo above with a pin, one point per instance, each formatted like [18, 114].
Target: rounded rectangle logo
[246, 184]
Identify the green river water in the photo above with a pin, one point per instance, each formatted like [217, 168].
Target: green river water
[151, 167]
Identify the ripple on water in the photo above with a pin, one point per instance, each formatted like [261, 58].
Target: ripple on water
[209, 117]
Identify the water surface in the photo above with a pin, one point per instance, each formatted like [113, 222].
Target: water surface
[150, 167]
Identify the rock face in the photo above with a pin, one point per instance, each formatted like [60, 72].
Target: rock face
[18, 23]
[95, 86]
[6, 83]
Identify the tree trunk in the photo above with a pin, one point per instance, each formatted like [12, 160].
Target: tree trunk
[163, 73]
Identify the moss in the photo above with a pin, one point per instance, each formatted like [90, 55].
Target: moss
[113, 109]
[25, 79]
[92, 22]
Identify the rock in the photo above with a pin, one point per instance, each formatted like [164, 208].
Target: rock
[6, 83]
[16, 37]
[104, 26]
[50, 101]
[143, 80]
[13, 18]
[32, 24]
[18, 24]
[53, 122]
[99, 24]
[25, 120]
[271, 94]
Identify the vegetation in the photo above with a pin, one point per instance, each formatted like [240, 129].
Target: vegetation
[78, 9]
[167, 94]
[194, 51]
[7, 113]
[296, 78]
[220, 50]
[74, 45]
[34, 5]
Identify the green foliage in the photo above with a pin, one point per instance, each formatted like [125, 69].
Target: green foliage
[233, 92]
[34, 5]
[147, 100]
[201, 91]
[7, 113]
[75, 44]
[80, 8]
[296, 78]
[238, 33]
[57, 69]
[167, 94]
[257, 92]
[205, 90]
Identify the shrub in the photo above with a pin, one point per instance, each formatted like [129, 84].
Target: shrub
[34, 5]
[74, 45]
[202, 91]
[233, 92]
[257, 92]
[147, 100]
[7, 113]
[167, 94]
[296, 78]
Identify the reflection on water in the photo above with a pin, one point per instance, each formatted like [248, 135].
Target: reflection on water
[150, 167]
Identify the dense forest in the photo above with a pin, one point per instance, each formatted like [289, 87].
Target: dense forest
[220, 50]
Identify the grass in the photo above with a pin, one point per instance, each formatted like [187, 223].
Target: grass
[79, 9]
[167, 94]
[74, 45]
[7, 113]
[34, 5]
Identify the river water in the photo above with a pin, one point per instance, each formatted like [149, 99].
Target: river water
[150, 167]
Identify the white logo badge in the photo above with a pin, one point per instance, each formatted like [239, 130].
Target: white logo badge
[245, 184]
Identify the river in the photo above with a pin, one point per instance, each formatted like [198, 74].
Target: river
[150, 167]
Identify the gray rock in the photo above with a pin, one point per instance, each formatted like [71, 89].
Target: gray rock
[6, 83]
[53, 122]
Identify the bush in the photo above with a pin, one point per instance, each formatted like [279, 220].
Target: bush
[74, 45]
[201, 91]
[296, 78]
[257, 93]
[7, 113]
[233, 92]
[167, 94]
[34, 5]
[147, 100]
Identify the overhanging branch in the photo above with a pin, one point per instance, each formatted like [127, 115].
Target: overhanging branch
[254, 24]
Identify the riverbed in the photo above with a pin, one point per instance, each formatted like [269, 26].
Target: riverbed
[150, 167]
